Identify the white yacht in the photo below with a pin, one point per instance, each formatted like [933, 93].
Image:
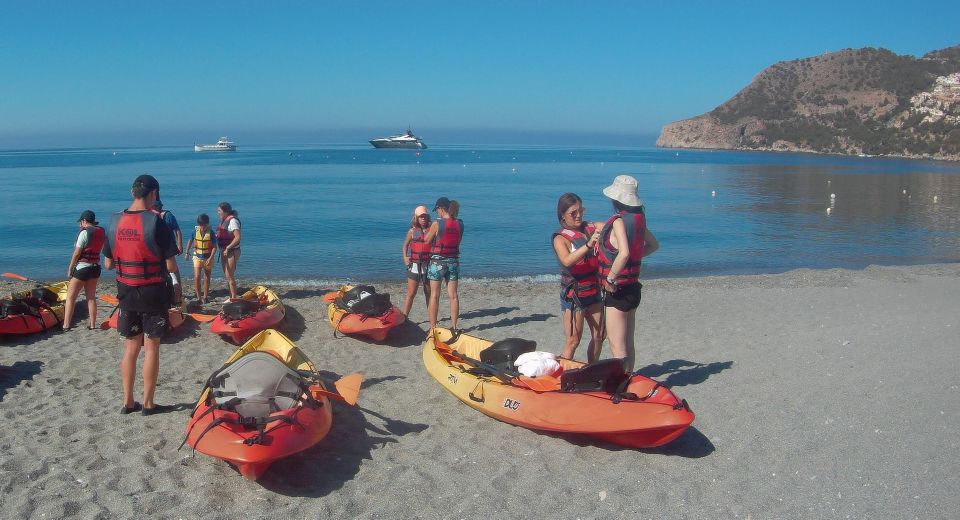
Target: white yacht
[223, 145]
[405, 140]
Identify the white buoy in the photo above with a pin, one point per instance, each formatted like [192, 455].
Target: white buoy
[713, 193]
[829, 210]
[828, 182]
[934, 199]
[904, 192]
[833, 196]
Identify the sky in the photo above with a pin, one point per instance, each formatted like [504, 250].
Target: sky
[98, 73]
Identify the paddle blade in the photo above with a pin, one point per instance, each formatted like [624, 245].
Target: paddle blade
[203, 318]
[15, 276]
[348, 387]
[538, 384]
[330, 297]
[109, 298]
[105, 325]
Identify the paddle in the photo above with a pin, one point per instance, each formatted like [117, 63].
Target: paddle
[109, 298]
[537, 384]
[330, 297]
[22, 278]
[348, 387]
[202, 318]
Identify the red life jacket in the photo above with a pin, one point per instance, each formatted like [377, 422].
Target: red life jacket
[224, 237]
[134, 248]
[636, 224]
[581, 277]
[447, 241]
[419, 249]
[91, 252]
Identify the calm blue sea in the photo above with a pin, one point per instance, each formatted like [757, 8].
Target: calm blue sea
[325, 214]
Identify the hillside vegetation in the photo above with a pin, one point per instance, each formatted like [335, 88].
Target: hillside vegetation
[855, 101]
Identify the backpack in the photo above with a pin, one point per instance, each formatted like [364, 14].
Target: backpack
[365, 301]
[15, 307]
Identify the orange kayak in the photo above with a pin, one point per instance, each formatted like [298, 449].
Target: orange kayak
[641, 413]
[374, 327]
[266, 403]
[28, 319]
[267, 312]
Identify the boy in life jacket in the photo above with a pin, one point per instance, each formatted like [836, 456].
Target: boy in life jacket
[141, 248]
[201, 245]
[84, 268]
[580, 296]
[416, 256]
[624, 242]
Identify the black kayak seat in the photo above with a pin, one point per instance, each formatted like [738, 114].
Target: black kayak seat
[605, 375]
[503, 353]
[239, 308]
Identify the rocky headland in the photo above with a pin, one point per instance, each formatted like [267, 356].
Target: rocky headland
[854, 102]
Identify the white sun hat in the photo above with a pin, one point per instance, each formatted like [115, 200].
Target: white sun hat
[624, 191]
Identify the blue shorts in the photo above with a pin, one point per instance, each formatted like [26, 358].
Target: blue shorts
[443, 267]
[585, 302]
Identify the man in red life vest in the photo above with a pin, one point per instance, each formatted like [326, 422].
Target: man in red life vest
[141, 247]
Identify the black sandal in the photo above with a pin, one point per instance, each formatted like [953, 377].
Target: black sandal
[136, 408]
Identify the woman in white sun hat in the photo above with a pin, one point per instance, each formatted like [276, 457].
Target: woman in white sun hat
[624, 241]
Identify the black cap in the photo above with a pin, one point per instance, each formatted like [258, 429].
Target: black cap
[88, 216]
[148, 182]
[442, 202]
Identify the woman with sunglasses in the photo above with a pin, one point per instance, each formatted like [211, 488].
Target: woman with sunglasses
[580, 295]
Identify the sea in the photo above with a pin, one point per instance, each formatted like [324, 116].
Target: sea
[326, 214]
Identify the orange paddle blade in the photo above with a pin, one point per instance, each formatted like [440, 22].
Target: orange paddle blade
[203, 318]
[15, 276]
[109, 298]
[349, 387]
[105, 325]
[330, 297]
[538, 384]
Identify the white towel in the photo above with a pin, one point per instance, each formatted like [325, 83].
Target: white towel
[535, 364]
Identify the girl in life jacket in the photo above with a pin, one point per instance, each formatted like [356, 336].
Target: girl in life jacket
[84, 269]
[416, 256]
[201, 245]
[444, 235]
[574, 246]
[228, 240]
[624, 241]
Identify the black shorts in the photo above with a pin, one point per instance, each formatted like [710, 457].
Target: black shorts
[133, 323]
[625, 299]
[89, 272]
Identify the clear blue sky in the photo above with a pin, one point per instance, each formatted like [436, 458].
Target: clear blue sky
[153, 73]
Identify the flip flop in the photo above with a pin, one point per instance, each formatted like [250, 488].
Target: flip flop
[136, 408]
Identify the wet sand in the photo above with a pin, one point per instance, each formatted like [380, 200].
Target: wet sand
[819, 394]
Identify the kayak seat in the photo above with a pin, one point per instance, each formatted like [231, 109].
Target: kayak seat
[256, 385]
[236, 310]
[365, 301]
[45, 295]
[503, 353]
[605, 375]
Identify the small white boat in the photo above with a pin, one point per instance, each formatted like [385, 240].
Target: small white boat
[223, 145]
[405, 140]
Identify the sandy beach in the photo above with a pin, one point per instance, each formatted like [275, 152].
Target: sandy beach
[819, 394]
